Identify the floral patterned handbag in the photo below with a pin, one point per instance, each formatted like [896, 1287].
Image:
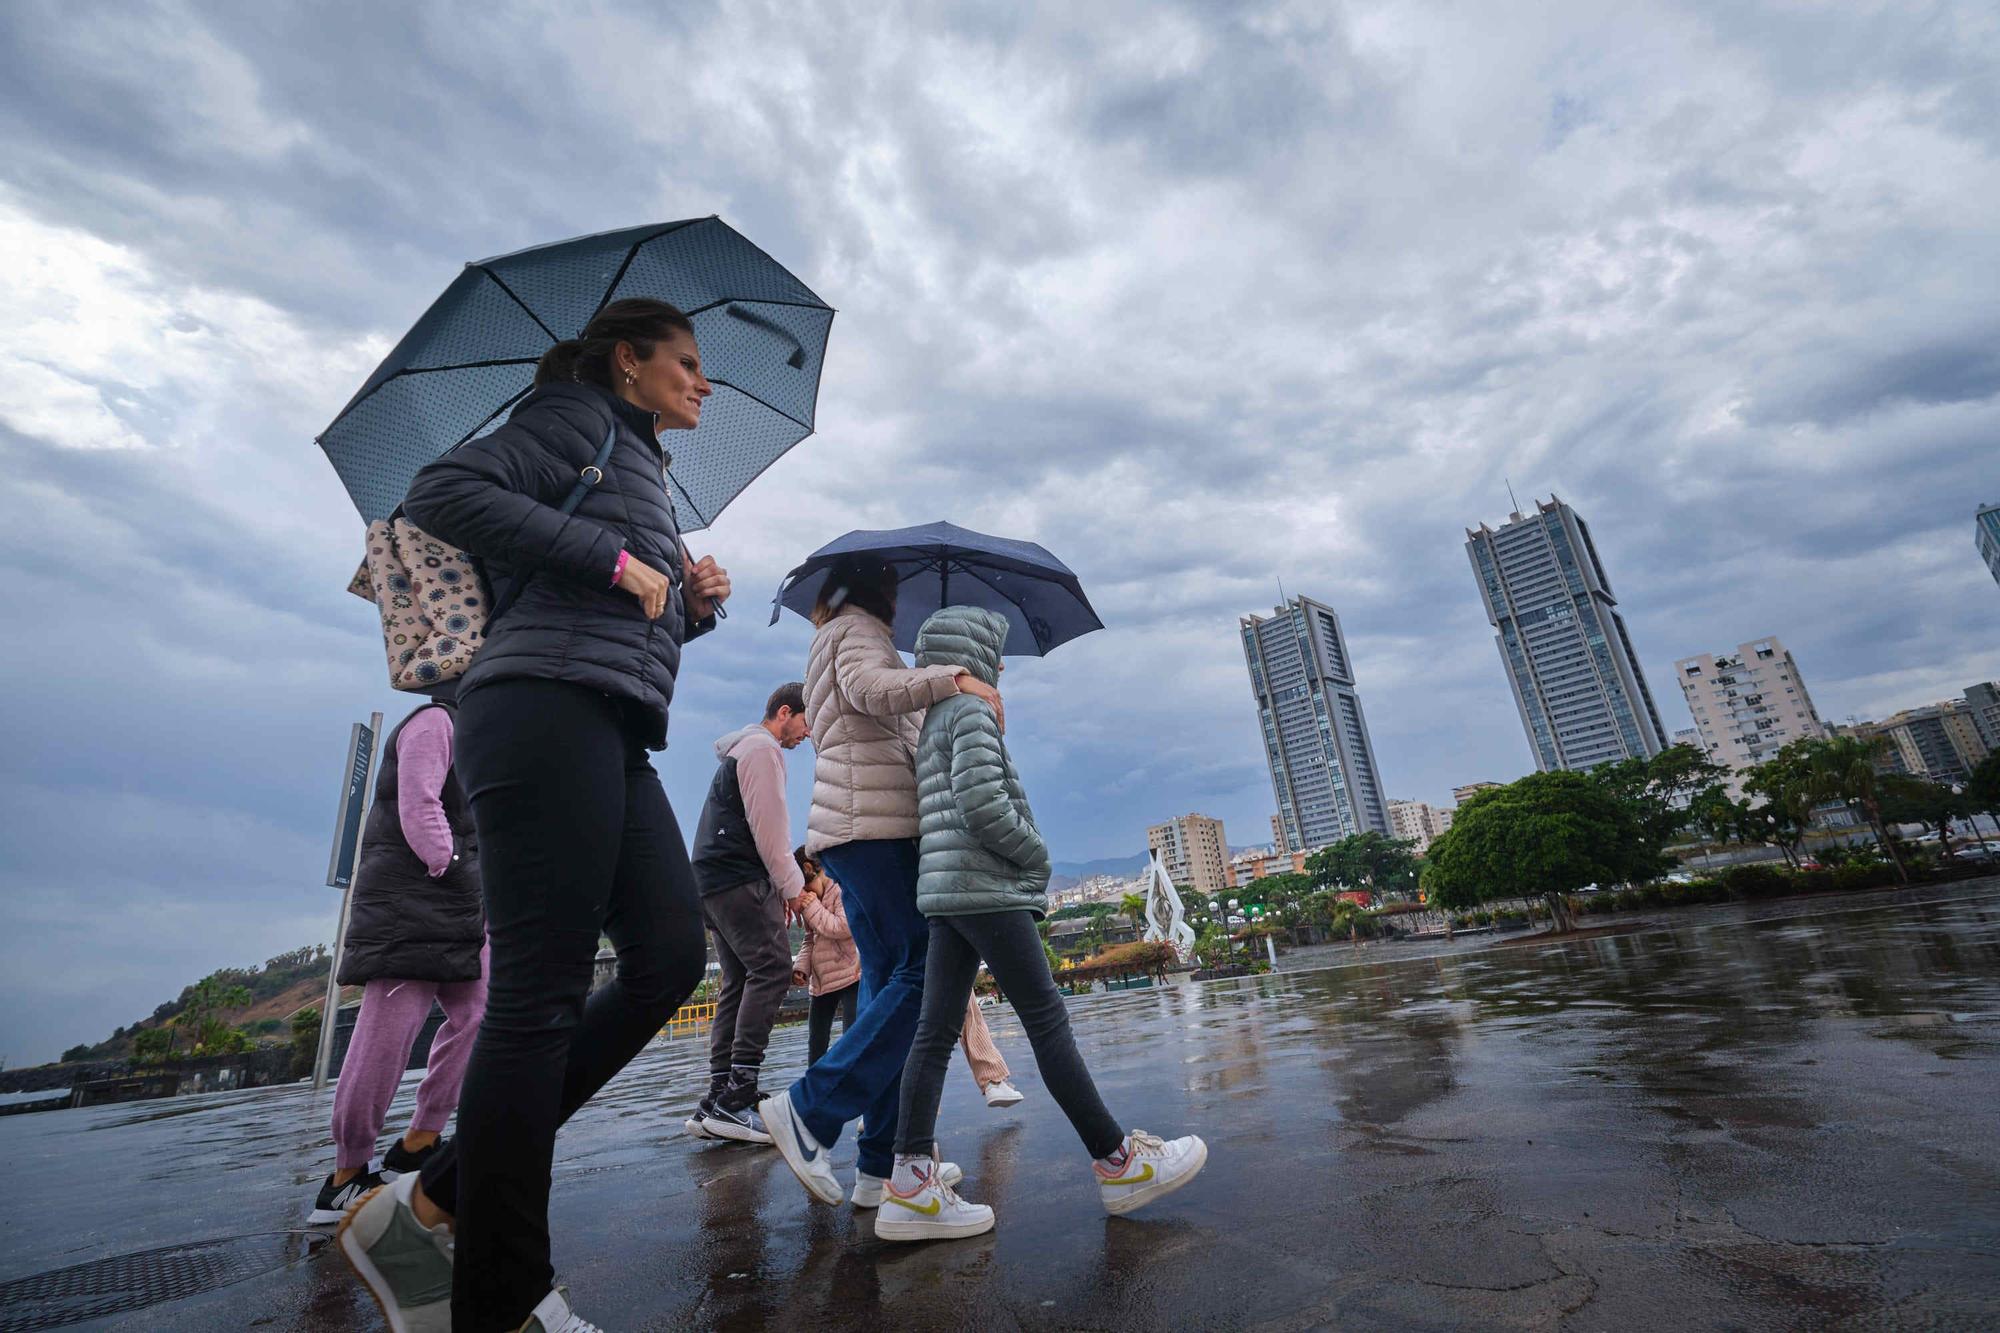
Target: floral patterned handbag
[434, 602]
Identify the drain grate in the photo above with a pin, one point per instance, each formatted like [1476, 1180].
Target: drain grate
[134, 1281]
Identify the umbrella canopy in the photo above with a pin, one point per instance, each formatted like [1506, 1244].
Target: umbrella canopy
[472, 356]
[940, 565]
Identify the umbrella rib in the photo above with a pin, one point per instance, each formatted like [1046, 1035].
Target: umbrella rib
[469, 365]
[806, 426]
[488, 417]
[519, 302]
[632, 254]
[756, 300]
[693, 508]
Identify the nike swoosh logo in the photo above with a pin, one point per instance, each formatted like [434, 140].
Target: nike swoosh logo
[928, 1210]
[1140, 1179]
[800, 1134]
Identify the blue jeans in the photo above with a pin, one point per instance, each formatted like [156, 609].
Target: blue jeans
[863, 1074]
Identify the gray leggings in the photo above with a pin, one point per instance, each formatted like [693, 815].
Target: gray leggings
[1012, 949]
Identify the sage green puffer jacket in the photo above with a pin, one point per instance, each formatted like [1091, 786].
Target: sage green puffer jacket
[980, 850]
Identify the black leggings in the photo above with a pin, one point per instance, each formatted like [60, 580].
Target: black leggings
[575, 837]
[819, 1019]
[1012, 949]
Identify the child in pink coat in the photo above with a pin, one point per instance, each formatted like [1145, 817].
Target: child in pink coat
[829, 968]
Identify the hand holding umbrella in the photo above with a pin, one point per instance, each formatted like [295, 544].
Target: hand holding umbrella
[707, 586]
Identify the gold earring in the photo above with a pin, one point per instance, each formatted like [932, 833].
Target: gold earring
[631, 376]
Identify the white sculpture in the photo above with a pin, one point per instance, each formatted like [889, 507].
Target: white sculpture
[1166, 918]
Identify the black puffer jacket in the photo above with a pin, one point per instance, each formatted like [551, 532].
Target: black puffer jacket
[497, 498]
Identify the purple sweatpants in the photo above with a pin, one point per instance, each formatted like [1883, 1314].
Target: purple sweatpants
[392, 1013]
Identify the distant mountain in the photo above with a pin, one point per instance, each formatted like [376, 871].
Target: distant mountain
[1112, 865]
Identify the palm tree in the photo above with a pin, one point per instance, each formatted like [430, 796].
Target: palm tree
[1133, 905]
[1843, 769]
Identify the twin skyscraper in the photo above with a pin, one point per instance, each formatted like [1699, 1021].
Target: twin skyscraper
[1582, 698]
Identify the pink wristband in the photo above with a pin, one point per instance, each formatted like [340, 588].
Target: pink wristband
[624, 559]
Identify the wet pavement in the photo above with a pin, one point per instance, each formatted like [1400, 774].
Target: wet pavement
[1771, 1117]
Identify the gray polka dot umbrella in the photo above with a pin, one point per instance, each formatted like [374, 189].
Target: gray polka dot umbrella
[472, 356]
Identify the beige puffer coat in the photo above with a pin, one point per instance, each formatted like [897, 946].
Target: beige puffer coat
[865, 709]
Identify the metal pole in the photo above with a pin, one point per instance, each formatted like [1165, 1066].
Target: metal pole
[329, 1016]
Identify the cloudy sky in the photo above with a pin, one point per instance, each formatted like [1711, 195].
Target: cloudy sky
[1200, 296]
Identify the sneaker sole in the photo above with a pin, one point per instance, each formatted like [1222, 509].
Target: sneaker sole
[326, 1217]
[696, 1127]
[888, 1228]
[997, 1102]
[371, 1276]
[788, 1148]
[722, 1129]
[1158, 1189]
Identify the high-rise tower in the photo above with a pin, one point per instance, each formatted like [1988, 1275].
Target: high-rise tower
[1576, 680]
[1315, 740]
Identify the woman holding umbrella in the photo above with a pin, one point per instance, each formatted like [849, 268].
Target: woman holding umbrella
[865, 709]
[556, 715]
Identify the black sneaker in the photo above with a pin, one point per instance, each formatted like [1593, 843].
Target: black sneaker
[400, 1161]
[742, 1124]
[334, 1200]
[697, 1124]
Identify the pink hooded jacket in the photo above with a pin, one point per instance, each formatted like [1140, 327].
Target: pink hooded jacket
[828, 957]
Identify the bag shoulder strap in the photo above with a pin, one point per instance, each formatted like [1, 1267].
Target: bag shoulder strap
[592, 473]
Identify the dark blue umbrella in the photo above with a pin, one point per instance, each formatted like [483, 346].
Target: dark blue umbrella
[472, 356]
[940, 565]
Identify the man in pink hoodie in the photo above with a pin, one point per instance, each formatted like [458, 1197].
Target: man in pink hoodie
[748, 880]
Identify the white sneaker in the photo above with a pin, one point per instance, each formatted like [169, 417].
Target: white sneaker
[1002, 1093]
[406, 1265]
[868, 1189]
[931, 1212]
[801, 1151]
[553, 1315]
[1153, 1168]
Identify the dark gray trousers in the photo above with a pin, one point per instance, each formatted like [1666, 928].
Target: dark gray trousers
[747, 922]
[1012, 949]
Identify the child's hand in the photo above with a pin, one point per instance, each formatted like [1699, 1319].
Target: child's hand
[798, 976]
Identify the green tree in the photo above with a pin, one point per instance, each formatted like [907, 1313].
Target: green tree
[1788, 788]
[1982, 791]
[1133, 905]
[1844, 769]
[202, 1015]
[1280, 899]
[1657, 795]
[1907, 799]
[1381, 865]
[1659, 791]
[1546, 836]
[305, 1040]
[153, 1045]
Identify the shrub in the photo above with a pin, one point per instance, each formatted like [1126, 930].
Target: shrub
[1814, 881]
[1857, 875]
[1756, 881]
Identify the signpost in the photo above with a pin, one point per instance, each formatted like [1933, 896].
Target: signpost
[356, 792]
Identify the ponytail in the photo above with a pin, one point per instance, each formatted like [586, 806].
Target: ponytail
[587, 358]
